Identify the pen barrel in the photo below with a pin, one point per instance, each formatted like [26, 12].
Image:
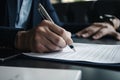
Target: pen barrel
[44, 13]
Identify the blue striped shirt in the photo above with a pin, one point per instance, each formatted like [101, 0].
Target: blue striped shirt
[23, 10]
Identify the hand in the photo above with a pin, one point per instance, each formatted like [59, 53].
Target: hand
[98, 30]
[46, 37]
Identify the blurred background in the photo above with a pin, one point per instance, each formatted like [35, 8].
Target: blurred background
[73, 12]
[66, 1]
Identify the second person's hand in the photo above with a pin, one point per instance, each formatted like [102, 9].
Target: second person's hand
[99, 30]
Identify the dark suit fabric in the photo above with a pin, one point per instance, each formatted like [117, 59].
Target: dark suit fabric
[8, 15]
[102, 7]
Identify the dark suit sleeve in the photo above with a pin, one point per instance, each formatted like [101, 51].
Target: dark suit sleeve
[102, 7]
[51, 11]
[7, 36]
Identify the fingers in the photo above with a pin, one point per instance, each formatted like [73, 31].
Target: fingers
[59, 31]
[103, 32]
[98, 30]
[100, 33]
[50, 37]
[87, 32]
[42, 44]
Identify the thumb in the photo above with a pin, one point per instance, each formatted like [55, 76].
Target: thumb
[116, 35]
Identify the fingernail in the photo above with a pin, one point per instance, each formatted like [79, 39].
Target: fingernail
[95, 37]
[84, 35]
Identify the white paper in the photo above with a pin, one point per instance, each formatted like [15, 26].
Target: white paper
[20, 73]
[97, 53]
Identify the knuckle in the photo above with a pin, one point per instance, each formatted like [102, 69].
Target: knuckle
[69, 33]
[58, 40]
[62, 32]
[69, 41]
[44, 22]
[40, 30]
[37, 29]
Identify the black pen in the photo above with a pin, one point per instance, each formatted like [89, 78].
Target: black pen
[45, 15]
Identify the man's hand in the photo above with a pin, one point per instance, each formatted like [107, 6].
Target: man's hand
[46, 37]
[98, 30]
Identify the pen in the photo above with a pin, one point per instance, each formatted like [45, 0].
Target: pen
[45, 15]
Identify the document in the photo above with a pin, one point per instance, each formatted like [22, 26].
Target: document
[96, 53]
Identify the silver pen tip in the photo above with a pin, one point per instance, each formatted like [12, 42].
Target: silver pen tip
[74, 49]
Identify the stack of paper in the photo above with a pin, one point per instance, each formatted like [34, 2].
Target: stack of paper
[97, 53]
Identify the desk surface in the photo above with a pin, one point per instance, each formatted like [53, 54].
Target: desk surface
[89, 72]
[108, 40]
[20, 73]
